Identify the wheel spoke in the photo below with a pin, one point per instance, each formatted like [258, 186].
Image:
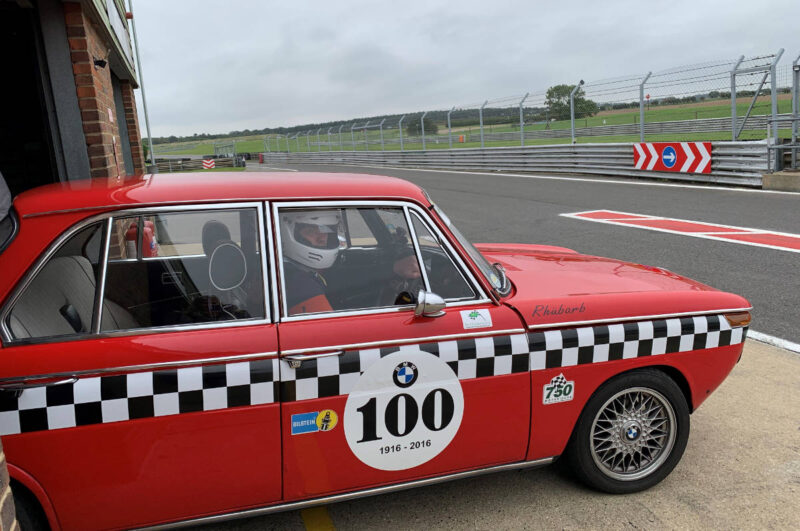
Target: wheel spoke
[632, 433]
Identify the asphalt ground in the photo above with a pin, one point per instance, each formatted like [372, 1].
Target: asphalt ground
[525, 209]
[741, 470]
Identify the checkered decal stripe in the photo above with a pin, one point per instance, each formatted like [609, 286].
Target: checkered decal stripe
[105, 399]
[469, 358]
[594, 344]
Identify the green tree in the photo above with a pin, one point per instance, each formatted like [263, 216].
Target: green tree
[557, 100]
[414, 127]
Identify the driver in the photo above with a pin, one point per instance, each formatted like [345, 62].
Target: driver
[310, 241]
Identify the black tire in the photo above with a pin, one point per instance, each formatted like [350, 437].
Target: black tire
[653, 427]
[30, 515]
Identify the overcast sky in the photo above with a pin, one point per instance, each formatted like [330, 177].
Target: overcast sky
[213, 66]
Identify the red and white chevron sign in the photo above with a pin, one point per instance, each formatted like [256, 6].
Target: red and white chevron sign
[683, 157]
[208, 164]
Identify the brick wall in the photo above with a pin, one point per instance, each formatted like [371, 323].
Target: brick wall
[132, 121]
[8, 521]
[95, 93]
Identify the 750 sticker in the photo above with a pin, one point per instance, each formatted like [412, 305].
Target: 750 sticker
[558, 390]
[404, 410]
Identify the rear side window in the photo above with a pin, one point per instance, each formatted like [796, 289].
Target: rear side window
[60, 300]
[181, 268]
[8, 229]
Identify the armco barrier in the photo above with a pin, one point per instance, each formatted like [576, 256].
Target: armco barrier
[740, 163]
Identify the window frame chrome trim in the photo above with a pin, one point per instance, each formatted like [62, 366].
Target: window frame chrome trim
[417, 250]
[269, 227]
[570, 324]
[100, 290]
[136, 368]
[403, 341]
[55, 245]
[480, 296]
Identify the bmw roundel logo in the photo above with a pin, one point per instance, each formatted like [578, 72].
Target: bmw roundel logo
[405, 374]
[632, 433]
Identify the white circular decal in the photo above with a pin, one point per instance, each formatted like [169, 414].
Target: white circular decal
[404, 410]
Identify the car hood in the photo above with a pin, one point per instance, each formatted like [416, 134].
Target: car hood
[555, 285]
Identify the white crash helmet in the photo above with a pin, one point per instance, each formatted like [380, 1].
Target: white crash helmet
[297, 248]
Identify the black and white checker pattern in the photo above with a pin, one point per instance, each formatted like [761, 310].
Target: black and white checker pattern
[469, 358]
[593, 344]
[104, 399]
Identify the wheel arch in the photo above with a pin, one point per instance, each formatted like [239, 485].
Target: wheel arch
[20, 478]
[673, 373]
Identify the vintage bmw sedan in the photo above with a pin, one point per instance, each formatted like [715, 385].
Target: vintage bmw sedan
[187, 348]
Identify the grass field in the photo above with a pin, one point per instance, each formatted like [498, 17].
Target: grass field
[707, 109]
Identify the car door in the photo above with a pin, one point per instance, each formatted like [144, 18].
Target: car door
[372, 394]
[161, 402]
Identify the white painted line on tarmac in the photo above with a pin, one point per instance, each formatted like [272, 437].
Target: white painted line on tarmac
[774, 341]
[707, 235]
[714, 188]
[262, 167]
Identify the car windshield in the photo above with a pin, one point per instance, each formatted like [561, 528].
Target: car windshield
[494, 273]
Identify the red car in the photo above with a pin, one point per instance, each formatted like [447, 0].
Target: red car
[190, 348]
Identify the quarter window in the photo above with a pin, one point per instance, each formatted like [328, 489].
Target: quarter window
[445, 278]
[60, 299]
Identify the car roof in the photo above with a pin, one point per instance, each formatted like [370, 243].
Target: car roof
[179, 188]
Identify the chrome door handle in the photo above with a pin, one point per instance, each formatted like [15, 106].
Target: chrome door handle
[296, 360]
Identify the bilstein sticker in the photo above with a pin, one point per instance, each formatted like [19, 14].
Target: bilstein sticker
[403, 411]
[476, 319]
[314, 421]
[558, 390]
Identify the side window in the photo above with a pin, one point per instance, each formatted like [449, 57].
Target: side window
[184, 268]
[445, 278]
[60, 300]
[347, 259]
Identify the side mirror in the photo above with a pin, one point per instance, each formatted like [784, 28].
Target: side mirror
[429, 304]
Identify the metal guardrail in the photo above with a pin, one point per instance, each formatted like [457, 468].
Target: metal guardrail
[170, 165]
[739, 163]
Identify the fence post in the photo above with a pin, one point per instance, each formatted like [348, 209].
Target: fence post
[318, 140]
[366, 144]
[774, 96]
[288, 148]
[450, 128]
[733, 97]
[340, 138]
[266, 147]
[795, 105]
[521, 121]
[308, 142]
[422, 121]
[641, 106]
[400, 128]
[572, 109]
[480, 117]
[329, 138]
[381, 126]
[353, 136]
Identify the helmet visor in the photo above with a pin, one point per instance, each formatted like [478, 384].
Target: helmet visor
[317, 236]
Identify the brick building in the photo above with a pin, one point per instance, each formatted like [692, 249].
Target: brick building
[67, 104]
